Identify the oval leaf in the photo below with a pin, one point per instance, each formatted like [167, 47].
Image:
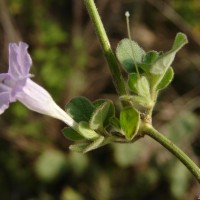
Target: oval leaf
[101, 116]
[80, 148]
[129, 122]
[114, 122]
[71, 134]
[166, 80]
[150, 57]
[128, 53]
[161, 65]
[143, 87]
[80, 109]
[132, 79]
[95, 144]
[98, 102]
[139, 85]
[85, 147]
[86, 131]
[139, 102]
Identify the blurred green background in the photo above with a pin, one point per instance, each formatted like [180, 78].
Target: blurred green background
[35, 163]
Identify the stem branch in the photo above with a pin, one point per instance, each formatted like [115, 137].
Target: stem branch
[110, 57]
[121, 89]
[192, 167]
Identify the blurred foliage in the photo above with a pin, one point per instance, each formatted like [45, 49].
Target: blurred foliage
[35, 163]
[189, 10]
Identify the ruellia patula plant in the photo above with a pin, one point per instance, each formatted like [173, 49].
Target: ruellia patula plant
[94, 124]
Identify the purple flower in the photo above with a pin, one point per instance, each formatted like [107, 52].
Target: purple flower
[17, 85]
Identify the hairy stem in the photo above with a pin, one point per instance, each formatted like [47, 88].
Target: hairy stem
[192, 167]
[110, 57]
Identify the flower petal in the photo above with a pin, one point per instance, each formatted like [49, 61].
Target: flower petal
[3, 86]
[4, 101]
[17, 88]
[19, 60]
[39, 100]
[7, 84]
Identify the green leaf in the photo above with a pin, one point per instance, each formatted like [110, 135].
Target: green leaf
[143, 87]
[132, 79]
[148, 60]
[115, 123]
[161, 65]
[80, 109]
[86, 131]
[71, 134]
[80, 148]
[139, 102]
[166, 80]
[128, 53]
[140, 85]
[98, 102]
[85, 147]
[150, 57]
[180, 40]
[100, 117]
[129, 122]
[95, 144]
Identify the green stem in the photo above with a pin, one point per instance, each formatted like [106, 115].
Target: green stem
[192, 167]
[110, 57]
[121, 89]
